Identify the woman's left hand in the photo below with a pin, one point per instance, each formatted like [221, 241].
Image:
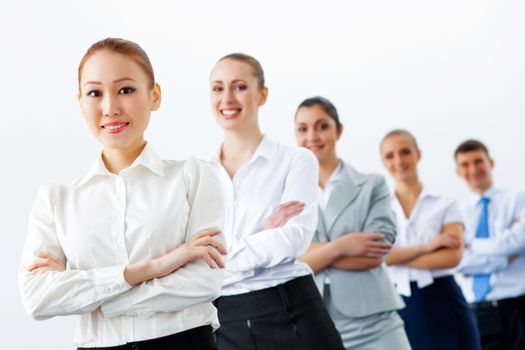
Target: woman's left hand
[46, 262]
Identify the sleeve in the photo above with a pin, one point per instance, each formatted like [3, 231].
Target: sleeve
[194, 283]
[58, 293]
[509, 242]
[272, 247]
[380, 217]
[453, 214]
[472, 263]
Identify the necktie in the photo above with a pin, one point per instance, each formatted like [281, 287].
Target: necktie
[481, 281]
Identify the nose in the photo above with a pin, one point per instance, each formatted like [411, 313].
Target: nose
[312, 135]
[227, 96]
[110, 107]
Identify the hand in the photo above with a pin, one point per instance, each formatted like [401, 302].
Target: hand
[443, 240]
[283, 213]
[370, 245]
[46, 262]
[202, 245]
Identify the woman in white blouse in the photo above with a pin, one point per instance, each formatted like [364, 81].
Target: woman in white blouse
[428, 246]
[139, 235]
[269, 299]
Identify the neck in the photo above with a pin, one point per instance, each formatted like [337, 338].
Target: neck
[118, 159]
[409, 189]
[326, 169]
[481, 190]
[240, 146]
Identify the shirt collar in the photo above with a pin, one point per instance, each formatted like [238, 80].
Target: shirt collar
[266, 149]
[474, 197]
[147, 158]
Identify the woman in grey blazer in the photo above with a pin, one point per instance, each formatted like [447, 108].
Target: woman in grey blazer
[354, 214]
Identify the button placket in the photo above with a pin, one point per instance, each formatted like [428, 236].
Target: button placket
[120, 217]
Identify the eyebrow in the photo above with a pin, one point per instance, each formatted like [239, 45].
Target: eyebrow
[114, 81]
[233, 81]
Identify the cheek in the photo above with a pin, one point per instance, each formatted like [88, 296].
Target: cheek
[300, 138]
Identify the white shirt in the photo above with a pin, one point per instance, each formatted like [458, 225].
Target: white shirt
[103, 222]
[506, 238]
[323, 195]
[259, 258]
[426, 221]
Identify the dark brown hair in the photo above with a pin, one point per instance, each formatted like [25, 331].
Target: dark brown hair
[325, 104]
[469, 146]
[124, 47]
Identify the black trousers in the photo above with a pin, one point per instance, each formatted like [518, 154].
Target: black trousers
[200, 338]
[290, 316]
[501, 324]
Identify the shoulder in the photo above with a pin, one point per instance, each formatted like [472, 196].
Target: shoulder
[514, 197]
[296, 156]
[369, 179]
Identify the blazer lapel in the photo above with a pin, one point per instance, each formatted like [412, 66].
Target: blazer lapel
[343, 194]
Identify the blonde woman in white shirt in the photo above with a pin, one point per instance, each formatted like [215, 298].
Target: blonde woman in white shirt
[428, 247]
[139, 235]
[269, 299]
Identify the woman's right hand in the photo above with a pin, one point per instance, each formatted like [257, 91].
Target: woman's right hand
[283, 213]
[370, 245]
[201, 246]
[443, 240]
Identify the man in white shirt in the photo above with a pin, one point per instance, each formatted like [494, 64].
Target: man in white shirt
[494, 258]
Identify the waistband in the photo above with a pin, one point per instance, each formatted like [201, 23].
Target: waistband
[267, 301]
[497, 303]
[202, 333]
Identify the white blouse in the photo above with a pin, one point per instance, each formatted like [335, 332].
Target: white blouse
[426, 221]
[103, 222]
[261, 258]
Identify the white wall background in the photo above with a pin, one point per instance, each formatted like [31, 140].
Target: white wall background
[446, 70]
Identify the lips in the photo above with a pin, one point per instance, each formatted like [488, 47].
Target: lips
[230, 113]
[115, 127]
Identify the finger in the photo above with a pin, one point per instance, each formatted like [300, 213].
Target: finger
[209, 260]
[208, 241]
[216, 258]
[287, 204]
[209, 232]
[43, 254]
[375, 236]
[291, 212]
[379, 245]
[39, 262]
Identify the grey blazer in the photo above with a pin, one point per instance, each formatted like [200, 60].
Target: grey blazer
[358, 203]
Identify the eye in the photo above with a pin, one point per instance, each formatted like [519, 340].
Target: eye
[406, 152]
[216, 88]
[301, 129]
[323, 126]
[126, 90]
[94, 93]
[241, 87]
[389, 156]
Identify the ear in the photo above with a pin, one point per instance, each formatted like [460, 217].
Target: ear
[264, 96]
[419, 153]
[340, 131]
[492, 162]
[155, 97]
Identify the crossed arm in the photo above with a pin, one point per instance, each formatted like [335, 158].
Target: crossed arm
[443, 251]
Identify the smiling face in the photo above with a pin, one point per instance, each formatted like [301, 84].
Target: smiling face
[116, 99]
[400, 157]
[317, 131]
[235, 95]
[475, 167]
